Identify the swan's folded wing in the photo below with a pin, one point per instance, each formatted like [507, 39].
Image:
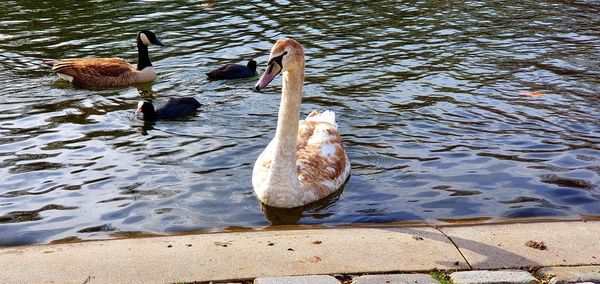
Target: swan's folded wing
[322, 163]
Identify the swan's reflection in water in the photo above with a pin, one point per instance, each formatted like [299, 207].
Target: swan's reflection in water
[291, 216]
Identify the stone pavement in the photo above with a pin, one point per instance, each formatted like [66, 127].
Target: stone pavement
[551, 275]
[486, 276]
[571, 274]
[389, 252]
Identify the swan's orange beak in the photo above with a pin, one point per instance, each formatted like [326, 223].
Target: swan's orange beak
[273, 69]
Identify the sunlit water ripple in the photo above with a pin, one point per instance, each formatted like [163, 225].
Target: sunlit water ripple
[428, 95]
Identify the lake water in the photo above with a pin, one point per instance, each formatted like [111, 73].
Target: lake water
[448, 111]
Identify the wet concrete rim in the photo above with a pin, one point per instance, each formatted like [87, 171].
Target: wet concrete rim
[436, 223]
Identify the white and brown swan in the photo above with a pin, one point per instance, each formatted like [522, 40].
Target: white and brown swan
[306, 161]
[109, 72]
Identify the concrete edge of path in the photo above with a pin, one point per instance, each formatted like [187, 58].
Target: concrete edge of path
[253, 254]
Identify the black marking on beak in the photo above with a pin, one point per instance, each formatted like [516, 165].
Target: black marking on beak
[270, 73]
[277, 59]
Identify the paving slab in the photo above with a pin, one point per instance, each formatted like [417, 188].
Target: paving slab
[308, 279]
[493, 277]
[395, 279]
[232, 256]
[571, 274]
[528, 244]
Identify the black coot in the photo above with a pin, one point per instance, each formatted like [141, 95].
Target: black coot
[170, 109]
[233, 71]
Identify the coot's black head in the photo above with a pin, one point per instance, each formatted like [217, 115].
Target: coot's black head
[147, 37]
[251, 65]
[147, 110]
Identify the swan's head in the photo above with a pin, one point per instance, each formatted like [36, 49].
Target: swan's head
[147, 37]
[287, 55]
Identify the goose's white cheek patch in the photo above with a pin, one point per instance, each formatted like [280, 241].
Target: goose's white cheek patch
[144, 39]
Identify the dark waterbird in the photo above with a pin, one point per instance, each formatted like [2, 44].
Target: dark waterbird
[170, 109]
[233, 71]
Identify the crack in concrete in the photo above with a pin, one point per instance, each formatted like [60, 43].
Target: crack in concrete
[88, 279]
[454, 244]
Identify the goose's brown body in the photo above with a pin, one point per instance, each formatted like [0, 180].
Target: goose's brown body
[102, 72]
[109, 72]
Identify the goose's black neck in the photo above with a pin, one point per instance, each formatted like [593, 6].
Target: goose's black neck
[143, 59]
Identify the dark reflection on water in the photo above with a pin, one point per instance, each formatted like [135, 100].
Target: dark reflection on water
[428, 95]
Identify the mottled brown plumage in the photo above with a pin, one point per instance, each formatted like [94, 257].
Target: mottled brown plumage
[314, 168]
[321, 162]
[306, 161]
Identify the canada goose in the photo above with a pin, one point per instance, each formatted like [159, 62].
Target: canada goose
[306, 160]
[170, 109]
[109, 72]
[233, 71]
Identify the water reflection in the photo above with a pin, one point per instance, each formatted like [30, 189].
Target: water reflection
[147, 126]
[428, 97]
[291, 216]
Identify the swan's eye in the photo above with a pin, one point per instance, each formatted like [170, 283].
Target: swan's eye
[278, 59]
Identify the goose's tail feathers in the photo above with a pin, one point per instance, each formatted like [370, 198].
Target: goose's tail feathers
[50, 62]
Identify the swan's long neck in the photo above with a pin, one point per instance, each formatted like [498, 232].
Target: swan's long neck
[283, 176]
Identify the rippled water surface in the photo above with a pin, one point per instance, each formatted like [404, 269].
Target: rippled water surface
[432, 100]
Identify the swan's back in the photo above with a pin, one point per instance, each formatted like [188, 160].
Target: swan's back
[322, 163]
